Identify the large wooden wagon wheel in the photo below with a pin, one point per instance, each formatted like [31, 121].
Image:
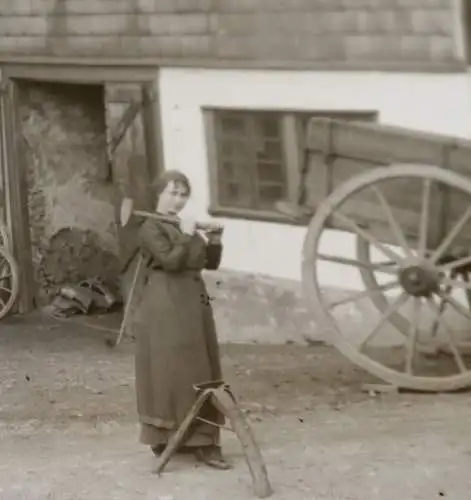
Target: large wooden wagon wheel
[420, 276]
[9, 281]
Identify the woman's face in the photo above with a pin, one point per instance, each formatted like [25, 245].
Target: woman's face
[173, 198]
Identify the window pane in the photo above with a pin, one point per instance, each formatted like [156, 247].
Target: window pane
[233, 124]
[234, 148]
[228, 170]
[270, 193]
[233, 191]
[268, 126]
[234, 194]
[270, 150]
[271, 172]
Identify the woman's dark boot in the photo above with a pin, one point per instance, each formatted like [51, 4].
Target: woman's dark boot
[158, 450]
[212, 456]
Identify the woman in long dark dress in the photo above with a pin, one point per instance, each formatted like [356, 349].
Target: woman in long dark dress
[177, 345]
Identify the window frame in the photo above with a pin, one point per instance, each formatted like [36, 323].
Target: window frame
[293, 156]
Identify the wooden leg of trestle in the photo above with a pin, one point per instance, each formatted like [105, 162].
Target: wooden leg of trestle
[225, 402]
[176, 439]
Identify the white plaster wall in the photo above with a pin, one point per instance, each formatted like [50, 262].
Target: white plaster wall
[429, 102]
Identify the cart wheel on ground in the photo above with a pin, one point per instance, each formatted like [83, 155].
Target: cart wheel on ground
[420, 277]
[9, 282]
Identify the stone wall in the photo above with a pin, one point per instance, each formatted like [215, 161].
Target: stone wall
[71, 196]
[266, 310]
[254, 31]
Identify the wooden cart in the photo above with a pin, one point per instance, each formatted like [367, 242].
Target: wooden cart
[9, 276]
[407, 197]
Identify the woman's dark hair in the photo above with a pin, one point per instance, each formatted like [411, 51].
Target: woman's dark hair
[171, 176]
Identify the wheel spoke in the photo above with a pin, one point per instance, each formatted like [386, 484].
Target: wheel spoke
[436, 320]
[391, 309]
[451, 236]
[465, 277]
[463, 285]
[6, 277]
[385, 267]
[5, 289]
[451, 337]
[441, 309]
[364, 294]
[413, 335]
[369, 237]
[464, 261]
[424, 219]
[396, 228]
[455, 304]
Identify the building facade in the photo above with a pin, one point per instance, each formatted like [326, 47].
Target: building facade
[230, 87]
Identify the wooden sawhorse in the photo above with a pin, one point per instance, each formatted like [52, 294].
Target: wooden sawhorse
[222, 398]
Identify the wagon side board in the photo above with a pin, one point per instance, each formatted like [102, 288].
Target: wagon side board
[339, 150]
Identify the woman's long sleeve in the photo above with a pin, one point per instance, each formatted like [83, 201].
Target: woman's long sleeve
[169, 255]
[213, 256]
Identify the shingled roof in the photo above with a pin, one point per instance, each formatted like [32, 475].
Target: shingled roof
[307, 31]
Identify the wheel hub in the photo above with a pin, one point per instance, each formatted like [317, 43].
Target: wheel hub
[419, 281]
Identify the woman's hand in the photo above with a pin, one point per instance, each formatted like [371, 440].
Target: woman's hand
[214, 237]
[188, 225]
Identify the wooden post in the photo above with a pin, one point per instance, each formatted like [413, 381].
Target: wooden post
[152, 127]
[178, 437]
[224, 401]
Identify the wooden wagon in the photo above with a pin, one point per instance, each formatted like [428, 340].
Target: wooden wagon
[406, 196]
[9, 276]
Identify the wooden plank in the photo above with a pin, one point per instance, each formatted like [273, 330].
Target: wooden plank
[120, 129]
[4, 87]
[362, 146]
[178, 437]
[377, 143]
[225, 402]
[293, 155]
[152, 125]
[459, 157]
[128, 66]
[67, 71]
[213, 174]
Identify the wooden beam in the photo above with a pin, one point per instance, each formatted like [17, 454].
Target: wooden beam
[126, 120]
[152, 126]
[116, 65]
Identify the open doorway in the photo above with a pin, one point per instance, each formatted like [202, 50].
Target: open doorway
[70, 196]
[69, 165]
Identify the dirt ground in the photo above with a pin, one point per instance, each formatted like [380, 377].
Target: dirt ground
[68, 427]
